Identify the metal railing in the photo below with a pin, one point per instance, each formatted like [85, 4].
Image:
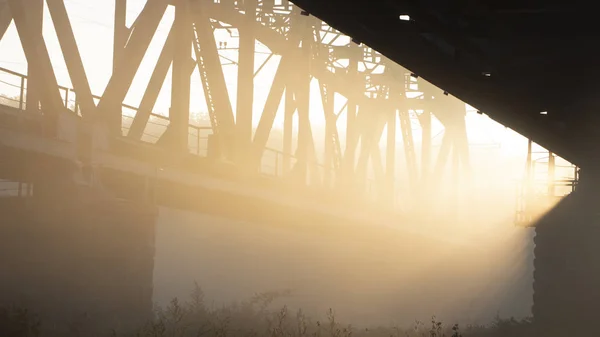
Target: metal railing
[13, 91]
[536, 195]
[14, 94]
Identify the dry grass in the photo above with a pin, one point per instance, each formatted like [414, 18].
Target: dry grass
[253, 318]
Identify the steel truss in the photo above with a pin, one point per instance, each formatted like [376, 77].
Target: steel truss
[374, 91]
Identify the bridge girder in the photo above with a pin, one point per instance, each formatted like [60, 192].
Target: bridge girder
[375, 101]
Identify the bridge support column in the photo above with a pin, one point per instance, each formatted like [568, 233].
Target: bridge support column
[76, 256]
[567, 263]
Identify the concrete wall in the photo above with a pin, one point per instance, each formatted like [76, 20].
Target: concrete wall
[74, 256]
[567, 265]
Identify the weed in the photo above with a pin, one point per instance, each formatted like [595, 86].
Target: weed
[253, 318]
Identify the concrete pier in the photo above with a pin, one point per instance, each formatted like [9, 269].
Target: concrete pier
[71, 253]
[567, 264]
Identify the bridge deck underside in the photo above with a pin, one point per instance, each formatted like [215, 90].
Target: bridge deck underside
[509, 60]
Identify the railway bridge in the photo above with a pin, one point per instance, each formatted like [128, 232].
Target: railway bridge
[357, 135]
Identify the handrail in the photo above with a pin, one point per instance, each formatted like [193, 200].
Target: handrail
[277, 152]
[12, 72]
[277, 168]
[125, 105]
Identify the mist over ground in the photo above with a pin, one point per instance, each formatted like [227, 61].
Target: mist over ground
[457, 254]
[370, 276]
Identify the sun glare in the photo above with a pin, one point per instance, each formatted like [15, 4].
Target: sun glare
[459, 213]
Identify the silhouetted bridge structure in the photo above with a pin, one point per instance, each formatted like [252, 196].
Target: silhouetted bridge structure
[74, 158]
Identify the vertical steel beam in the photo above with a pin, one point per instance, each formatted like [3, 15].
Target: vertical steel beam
[35, 18]
[156, 82]
[462, 141]
[120, 36]
[551, 173]
[302, 94]
[180, 90]
[128, 65]
[330, 128]
[376, 162]
[5, 18]
[68, 45]
[313, 174]
[245, 84]
[390, 157]
[288, 124]
[451, 113]
[372, 129]
[454, 200]
[39, 62]
[425, 121]
[409, 147]
[365, 135]
[398, 95]
[528, 167]
[352, 133]
[360, 175]
[121, 33]
[443, 155]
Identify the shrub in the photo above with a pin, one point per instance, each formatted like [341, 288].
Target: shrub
[253, 318]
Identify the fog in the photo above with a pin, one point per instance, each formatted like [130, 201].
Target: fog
[456, 253]
[369, 276]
